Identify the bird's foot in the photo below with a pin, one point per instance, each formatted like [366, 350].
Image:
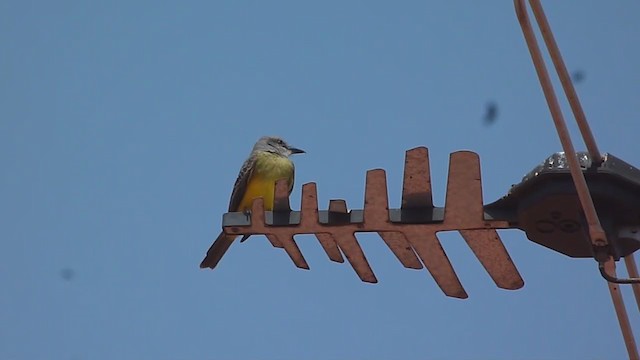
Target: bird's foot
[246, 213]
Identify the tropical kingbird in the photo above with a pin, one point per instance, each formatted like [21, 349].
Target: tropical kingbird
[267, 163]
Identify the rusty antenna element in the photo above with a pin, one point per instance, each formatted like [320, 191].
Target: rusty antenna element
[603, 239]
[410, 231]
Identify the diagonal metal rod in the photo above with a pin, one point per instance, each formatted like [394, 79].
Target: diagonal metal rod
[565, 80]
[596, 233]
[621, 312]
[632, 271]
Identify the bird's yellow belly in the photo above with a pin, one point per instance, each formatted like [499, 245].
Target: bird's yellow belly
[269, 169]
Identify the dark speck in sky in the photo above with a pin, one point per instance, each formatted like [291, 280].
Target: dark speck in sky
[578, 76]
[67, 274]
[491, 112]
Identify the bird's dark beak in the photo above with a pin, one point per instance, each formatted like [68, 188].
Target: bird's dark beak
[296, 150]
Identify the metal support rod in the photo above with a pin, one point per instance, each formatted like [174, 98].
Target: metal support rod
[596, 233]
[565, 80]
[621, 312]
[632, 271]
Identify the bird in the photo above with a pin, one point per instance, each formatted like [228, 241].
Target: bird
[268, 162]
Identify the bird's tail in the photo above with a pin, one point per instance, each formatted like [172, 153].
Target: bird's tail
[217, 250]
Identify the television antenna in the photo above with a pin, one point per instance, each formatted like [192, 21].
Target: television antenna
[584, 205]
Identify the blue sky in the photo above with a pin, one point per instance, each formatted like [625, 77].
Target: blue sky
[123, 125]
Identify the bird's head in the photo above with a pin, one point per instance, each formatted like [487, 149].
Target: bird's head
[276, 145]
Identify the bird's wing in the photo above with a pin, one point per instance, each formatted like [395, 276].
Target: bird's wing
[293, 177]
[240, 187]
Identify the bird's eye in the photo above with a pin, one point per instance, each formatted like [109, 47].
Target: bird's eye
[280, 142]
